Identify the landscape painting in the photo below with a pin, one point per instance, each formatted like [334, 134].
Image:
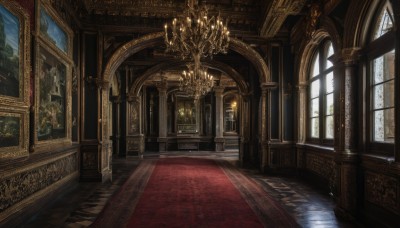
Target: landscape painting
[52, 31]
[10, 74]
[52, 97]
[9, 130]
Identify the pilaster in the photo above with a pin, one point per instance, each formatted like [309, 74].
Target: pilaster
[219, 118]
[264, 134]
[162, 113]
[116, 101]
[134, 137]
[344, 184]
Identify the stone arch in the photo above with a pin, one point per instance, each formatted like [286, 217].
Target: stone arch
[308, 50]
[155, 39]
[356, 32]
[115, 89]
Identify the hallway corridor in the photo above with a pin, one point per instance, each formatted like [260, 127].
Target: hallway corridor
[81, 203]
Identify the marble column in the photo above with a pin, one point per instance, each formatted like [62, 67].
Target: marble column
[344, 181]
[301, 123]
[162, 114]
[219, 118]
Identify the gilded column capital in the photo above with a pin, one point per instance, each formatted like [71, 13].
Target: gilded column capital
[132, 99]
[218, 90]
[98, 82]
[162, 85]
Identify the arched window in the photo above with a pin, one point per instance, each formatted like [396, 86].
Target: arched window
[381, 75]
[321, 95]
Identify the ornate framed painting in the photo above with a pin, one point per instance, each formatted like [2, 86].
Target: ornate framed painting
[52, 98]
[14, 80]
[14, 55]
[52, 30]
[53, 78]
[14, 137]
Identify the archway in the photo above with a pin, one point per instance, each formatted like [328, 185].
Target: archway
[156, 39]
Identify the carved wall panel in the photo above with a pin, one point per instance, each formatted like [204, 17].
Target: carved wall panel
[323, 166]
[133, 118]
[89, 157]
[382, 190]
[21, 184]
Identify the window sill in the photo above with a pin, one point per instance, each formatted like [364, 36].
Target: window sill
[316, 147]
[379, 158]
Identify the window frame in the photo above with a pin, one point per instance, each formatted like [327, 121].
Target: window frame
[375, 48]
[322, 50]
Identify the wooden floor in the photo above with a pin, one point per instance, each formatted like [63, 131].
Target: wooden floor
[80, 204]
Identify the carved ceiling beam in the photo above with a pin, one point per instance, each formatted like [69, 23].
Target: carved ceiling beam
[277, 13]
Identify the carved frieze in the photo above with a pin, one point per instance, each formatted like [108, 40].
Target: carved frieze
[382, 190]
[17, 187]
[152, 14]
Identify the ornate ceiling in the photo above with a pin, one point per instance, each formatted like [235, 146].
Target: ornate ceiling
[253, 21]
[247, 18]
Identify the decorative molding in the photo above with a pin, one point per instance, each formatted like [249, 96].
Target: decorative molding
[349, 56]
[242, 14]
[98, 82]
[277, 14]
[74, 85]
[312, 19]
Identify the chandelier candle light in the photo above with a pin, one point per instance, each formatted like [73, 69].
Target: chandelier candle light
[193, 36]
[196, 82]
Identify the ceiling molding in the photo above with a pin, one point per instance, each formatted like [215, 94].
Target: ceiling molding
[277, 13]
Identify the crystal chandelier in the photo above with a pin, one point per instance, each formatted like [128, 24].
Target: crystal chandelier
[193, 36]
[196, 82]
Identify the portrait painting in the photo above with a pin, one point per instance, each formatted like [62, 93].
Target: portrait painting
[52, 75]
[10, 73]
[52, 31]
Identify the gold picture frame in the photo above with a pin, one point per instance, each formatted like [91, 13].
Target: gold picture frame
[53, 78]
[52, 30]
[14, 136]
[15, 71]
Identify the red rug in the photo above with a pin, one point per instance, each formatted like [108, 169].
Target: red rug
[185, 192]
[191, 192]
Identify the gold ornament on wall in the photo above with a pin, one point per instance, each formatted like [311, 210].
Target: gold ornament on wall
[313, 18]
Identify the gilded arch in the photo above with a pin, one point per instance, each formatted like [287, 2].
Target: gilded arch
[154, 39]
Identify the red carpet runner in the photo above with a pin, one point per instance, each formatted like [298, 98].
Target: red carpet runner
[191, 192]
[184, 192]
